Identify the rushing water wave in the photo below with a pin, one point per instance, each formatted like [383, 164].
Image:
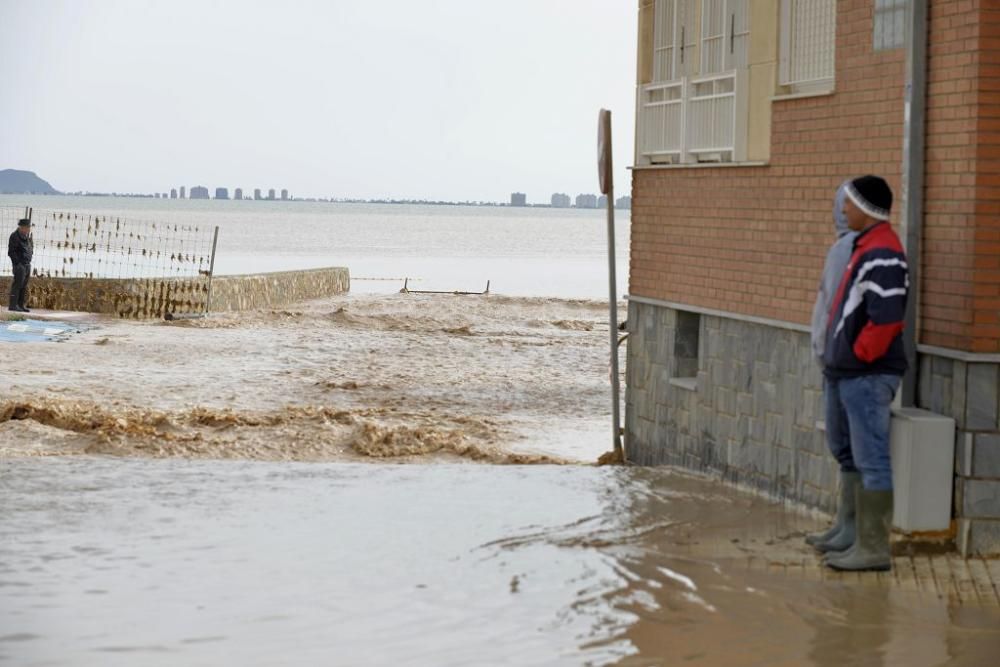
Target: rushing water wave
[397, 376]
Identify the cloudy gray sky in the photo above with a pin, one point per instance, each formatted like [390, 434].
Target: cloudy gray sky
[449, 99]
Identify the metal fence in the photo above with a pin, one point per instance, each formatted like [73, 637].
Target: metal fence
[168, 263]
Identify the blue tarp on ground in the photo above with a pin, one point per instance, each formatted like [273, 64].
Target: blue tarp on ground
[35, 331]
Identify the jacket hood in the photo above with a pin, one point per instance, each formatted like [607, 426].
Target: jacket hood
[839, 219]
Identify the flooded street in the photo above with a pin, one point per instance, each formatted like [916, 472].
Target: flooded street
[228, 491]
[393, 479]
[110, 561]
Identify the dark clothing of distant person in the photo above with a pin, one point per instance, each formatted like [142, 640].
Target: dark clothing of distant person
[20, 248]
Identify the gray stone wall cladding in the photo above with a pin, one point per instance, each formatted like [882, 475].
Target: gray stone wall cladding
[968, 392]
[751, 416]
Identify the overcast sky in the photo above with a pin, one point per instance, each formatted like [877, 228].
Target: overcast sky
[439, 99]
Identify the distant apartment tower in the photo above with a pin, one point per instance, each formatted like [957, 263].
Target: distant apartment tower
[602, 201]
[238, 194]
[173, 193]
[256, 194]
[586, 201]
[560, 200]
[270, 194]
[199, 192]
[518, 199]
[624, 203]
[182, 192]
[284, 195]
[222, 193]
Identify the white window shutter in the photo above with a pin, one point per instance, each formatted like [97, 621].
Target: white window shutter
[713, 36]
[665, 40]
[785, 42]
[737, 27]
[687, 38]
[808, 42]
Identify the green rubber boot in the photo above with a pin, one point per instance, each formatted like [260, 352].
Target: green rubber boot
[841, 535]
[871, 549]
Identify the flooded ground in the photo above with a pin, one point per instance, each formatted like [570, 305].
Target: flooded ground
[111, 561]
[495, 378]
[227, 491]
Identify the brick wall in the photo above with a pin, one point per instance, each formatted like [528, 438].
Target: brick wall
[986, 264]
[950, 203]
[751, 240]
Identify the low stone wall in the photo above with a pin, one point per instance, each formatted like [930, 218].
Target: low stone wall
[269, 290]
[154, 298]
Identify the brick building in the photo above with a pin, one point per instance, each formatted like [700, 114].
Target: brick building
[749, 115]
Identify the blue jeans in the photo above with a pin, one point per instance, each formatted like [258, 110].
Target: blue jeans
[858, 418]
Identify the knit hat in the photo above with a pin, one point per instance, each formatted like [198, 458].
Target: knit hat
[23, 222]
[872, 195]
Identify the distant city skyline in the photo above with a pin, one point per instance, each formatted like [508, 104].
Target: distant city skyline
[347, 99]
[31, 183]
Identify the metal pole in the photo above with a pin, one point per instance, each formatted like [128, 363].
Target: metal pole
[211, 271]
[605, 170]
[613, 321]
[914, 124]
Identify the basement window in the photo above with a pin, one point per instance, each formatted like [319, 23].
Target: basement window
[686, 345]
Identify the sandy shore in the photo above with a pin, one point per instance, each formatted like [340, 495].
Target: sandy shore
[393, 377]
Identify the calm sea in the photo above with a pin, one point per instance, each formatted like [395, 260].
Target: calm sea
[521, 251]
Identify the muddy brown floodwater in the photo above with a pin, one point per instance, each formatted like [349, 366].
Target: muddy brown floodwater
[226, 492]
[494, 379]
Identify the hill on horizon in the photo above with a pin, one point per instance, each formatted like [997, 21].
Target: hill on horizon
[16, 182]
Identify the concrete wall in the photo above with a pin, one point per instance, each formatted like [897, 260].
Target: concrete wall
[752, 412]
[269, 290]
[133, 299]
[152, 298]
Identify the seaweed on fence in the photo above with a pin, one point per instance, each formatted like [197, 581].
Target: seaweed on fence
[168, 266]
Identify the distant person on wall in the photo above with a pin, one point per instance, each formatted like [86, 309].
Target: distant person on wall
[841, 535]
[864, 361]
[20, 247]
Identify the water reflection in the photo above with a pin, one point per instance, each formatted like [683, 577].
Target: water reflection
[108, 561]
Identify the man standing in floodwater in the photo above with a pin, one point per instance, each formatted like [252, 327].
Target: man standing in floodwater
[20, 248]
[864, 361]
[841, 535]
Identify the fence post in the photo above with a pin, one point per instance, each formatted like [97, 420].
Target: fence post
[211, 271]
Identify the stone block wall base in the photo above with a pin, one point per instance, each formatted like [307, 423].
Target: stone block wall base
[979, 537]
[749, 415]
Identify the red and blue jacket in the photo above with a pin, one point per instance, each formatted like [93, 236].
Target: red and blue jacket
[865, 329]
